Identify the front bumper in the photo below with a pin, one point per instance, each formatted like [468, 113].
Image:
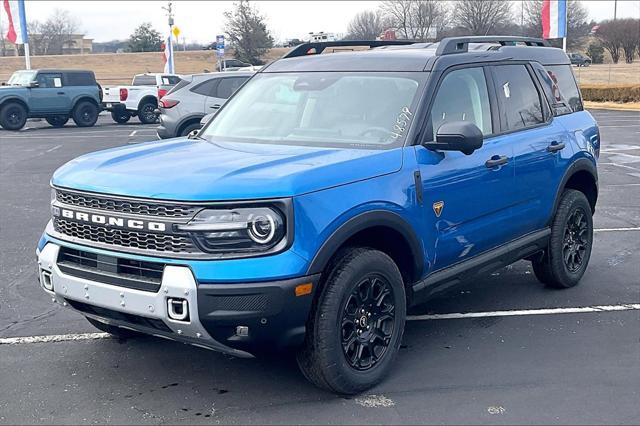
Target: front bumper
[270, 315]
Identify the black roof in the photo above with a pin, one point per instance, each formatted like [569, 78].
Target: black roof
[59, 70]
[411, 56]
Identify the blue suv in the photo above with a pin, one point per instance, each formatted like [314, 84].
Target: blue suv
[328, 195]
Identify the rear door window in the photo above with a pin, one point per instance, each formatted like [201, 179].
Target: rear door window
[228, 86]
[207, 88]
[170, 79]
[563, 77]
[520, 101]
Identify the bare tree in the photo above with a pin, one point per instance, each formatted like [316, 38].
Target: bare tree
[366, 25]
[630, 29]
[53, 35]
[415, 19]
[481, 17]
[611, 36]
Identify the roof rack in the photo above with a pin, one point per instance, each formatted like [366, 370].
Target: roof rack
[318, 47]
[451, 45]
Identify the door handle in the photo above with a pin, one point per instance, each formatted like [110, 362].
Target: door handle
[496, 160]
[60, 93]
[216, 106]
[555, 146]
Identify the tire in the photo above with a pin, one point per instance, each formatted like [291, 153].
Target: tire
[146, 114]
[57, 120]
[337, 326]
[564, 262]
[121, 116]
[13, 116]
[190, 128]
[121, 333]
[85, 114]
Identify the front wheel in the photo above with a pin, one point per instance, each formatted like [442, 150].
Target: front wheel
[146, 112]
[85, 114]
[356, 326]
[57, 120]
[565, 260]
[13, 116]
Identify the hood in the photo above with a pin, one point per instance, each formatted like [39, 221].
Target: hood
[14, 89]
[195, 170]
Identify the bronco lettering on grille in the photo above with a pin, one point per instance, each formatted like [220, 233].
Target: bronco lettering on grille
[111, 220]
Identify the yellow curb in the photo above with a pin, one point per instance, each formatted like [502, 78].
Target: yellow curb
[630, 106]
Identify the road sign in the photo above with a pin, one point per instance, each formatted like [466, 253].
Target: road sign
[220, 45]
[176, 32]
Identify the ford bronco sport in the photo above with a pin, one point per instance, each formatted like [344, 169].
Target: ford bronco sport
[329, 194]
[55, 95]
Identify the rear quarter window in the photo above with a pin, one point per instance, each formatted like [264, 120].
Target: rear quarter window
[562, 75]
[80, 79]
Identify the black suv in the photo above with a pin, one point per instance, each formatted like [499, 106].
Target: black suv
[579, 59]
[55, 95]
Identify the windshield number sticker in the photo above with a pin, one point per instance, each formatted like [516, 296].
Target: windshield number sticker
[402, 122]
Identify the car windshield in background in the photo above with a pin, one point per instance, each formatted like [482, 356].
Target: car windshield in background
[21, 78]
[337, 109]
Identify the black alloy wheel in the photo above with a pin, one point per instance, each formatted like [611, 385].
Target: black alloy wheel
[368, 322]
[147, 114]
[575, 240]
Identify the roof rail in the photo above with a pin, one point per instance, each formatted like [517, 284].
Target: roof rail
[319, 46]
[450, 45]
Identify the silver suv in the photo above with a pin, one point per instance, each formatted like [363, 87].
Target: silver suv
[194, 97]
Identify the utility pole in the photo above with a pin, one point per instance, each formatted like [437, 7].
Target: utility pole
[169, 10]
[615, 9]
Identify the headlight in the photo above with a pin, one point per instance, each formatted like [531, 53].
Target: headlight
[239, 230]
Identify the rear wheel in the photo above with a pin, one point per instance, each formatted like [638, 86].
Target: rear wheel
[146, 112]
[121, 116]
[57, 120]
[190, 128]
[118, 332]
[13, 116]
[566, 259]
[85, 114]
[356, 326]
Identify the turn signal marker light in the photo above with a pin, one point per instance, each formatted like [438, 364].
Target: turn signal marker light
[304, 289]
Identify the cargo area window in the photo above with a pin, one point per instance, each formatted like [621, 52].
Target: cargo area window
[563, 77]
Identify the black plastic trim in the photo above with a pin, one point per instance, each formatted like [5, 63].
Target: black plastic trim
[361, 222]
[480, 265]
[451, 45]
[581, 164]
[319, 46]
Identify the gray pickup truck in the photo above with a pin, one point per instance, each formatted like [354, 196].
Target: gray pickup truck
[55, 95]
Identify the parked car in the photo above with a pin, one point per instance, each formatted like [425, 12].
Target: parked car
[579, 59]
[53, 94]
[193, 98]
[327, 196]
[233, 64]
[139, 99]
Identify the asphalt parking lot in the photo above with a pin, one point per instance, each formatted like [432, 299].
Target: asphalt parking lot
[503, 350]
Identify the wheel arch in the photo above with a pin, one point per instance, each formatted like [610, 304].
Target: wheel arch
[16, 99]
[188, 121]
[145, 99]
[83, 98]
[582, 175]
[379, 229]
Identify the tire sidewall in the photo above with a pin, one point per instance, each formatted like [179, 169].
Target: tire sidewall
[188, 129]
[57, 120]
[329, 314]
[8, 109]
[120, 117]
[80, 108]
[571, 201]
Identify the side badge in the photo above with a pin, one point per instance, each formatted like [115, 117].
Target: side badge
[437, 208]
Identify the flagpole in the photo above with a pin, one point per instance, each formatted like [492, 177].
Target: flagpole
[566, 26]
[27, 57]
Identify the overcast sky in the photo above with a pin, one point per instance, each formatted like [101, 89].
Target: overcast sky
[202, 20]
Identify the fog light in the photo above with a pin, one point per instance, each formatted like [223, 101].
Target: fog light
[45, 278]
[178, 309]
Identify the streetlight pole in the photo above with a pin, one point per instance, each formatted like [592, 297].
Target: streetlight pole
[169, 10]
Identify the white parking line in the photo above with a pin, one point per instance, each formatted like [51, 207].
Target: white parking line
[53, 149]
[524, 312]
[547, 311]
[133, 133]
[636, 228]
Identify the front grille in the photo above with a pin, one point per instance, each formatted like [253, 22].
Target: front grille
[119, 316]
[125, 238]
[126, 206]
[129, 273]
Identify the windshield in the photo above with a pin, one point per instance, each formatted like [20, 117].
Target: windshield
[22, 78]
[337, 109]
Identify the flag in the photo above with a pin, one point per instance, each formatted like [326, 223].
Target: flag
[17, 32]
[167, 55]
[554, 18]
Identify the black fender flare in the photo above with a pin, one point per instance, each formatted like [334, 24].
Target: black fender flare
[17, 99]
[185, 120]
[145, 99]
[581, 164]
[369, 219]
[82, 98]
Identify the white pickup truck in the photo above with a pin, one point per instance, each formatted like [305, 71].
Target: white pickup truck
[140, 98]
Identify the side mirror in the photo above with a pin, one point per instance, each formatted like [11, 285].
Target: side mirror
[462, 136]
[34, 84]
[192, 134]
